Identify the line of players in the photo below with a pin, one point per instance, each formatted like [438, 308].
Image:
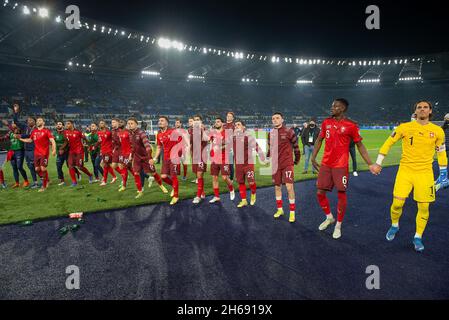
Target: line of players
[129, 149]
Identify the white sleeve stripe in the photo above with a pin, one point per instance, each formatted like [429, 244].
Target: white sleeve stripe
[441, 148]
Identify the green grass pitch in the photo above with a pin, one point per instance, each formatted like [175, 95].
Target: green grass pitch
[20, 204]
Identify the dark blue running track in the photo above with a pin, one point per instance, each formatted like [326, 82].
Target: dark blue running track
[220, 252]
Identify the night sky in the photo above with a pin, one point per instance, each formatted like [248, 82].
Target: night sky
[319, 28]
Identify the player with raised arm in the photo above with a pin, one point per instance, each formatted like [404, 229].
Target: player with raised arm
[141, 156]
[42, 138]
[219, 153]
[337, 131]
[105, 141]
[74, 139]
[282, 144]
[243, 146]
[420, 139]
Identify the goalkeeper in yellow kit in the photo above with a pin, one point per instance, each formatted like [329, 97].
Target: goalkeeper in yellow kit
[420, 140]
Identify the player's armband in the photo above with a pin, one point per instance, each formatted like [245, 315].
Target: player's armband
[441, 148]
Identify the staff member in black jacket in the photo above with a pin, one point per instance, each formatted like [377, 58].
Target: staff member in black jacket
[308, 137]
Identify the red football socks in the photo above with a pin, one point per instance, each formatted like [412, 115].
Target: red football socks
[279, 204]
[168, 181]
[138, 182]
[45, 180]
[200, 189]
[253, 188]
[157, 178]
[341, 206]
[242, 190]
[324, 203]
[72, 174]
[175, 183]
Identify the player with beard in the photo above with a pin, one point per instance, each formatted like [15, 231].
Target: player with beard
[171, 142]
[42, 138]
[220, 146]
[125, 154]
[182, 153]
[199, 166]
[229, 126]
[116, 128]
[243, 146]
[105, 142]
[141, 156]
[74, 140]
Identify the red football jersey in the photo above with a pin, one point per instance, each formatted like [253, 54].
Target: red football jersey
[197, 144]
[338, 135]
[41, 140]
[125, 143]
[115, 133]
[285, 146]
[218, 140]
[140, 145]
[75, 139]
[167, 140]
[244, 144]
[105, 138]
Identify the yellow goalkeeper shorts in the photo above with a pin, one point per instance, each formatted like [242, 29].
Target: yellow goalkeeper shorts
[421, 183]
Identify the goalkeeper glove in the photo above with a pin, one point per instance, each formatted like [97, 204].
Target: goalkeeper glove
[442, 181]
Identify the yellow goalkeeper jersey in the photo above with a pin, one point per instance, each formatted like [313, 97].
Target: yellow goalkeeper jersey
[419, 144]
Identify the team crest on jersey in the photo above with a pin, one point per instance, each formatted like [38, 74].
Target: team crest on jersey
[328, 126]
[343, 129]
[432, 135]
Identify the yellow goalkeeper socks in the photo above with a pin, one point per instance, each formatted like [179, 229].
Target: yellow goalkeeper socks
[396, 211]
[422, 217]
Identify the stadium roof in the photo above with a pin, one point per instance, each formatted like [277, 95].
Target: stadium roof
[36, 37]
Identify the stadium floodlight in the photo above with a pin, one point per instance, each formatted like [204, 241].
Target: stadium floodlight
[418, 78]
[273, 59]
[122, 33]
[58, 19]
[374, 80]
[194, 77]
[150, 73]
[26, 11]
[302, 81]
[34, 10]
[205, 51]
[70, 63]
